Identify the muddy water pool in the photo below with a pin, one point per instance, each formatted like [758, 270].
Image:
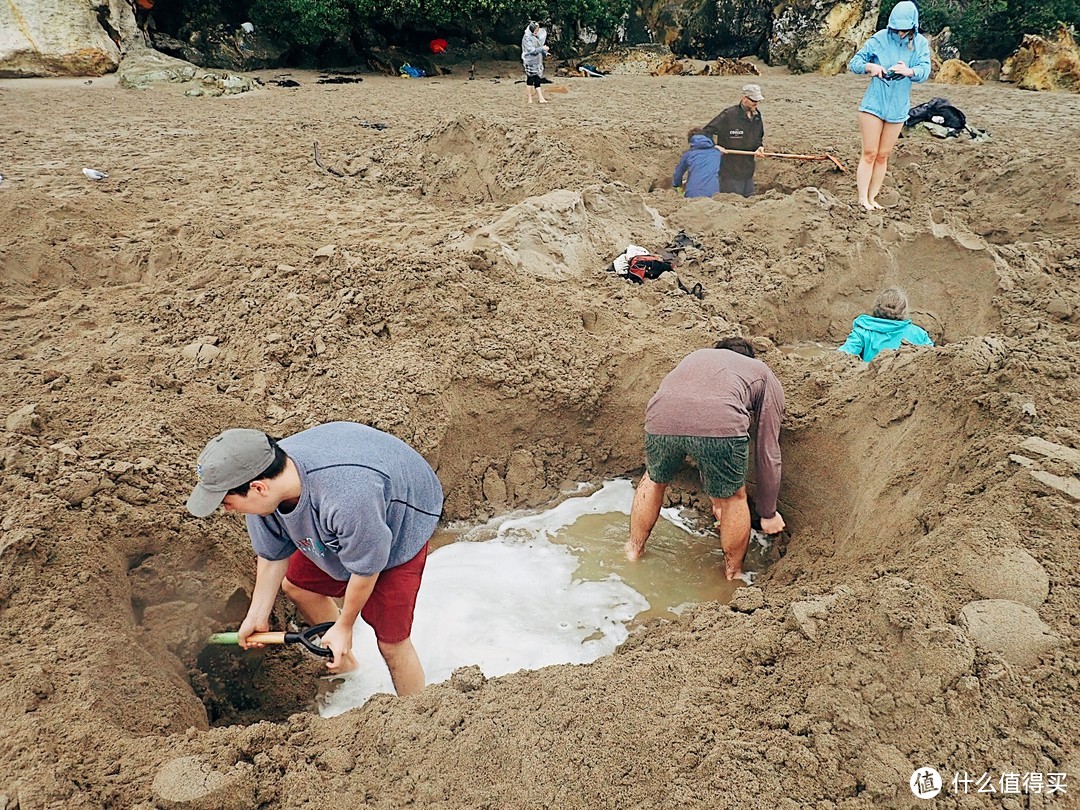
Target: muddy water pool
[526, 591]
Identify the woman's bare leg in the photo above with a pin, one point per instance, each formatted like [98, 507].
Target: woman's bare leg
[870, 128]
[890, 134]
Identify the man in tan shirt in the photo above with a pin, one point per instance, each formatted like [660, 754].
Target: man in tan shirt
[703, 409]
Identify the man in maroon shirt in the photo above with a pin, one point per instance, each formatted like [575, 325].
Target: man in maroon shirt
[703, 409]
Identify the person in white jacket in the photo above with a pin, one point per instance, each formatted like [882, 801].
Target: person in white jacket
[532, 56]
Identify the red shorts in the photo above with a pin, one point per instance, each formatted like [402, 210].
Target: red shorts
[389, 609]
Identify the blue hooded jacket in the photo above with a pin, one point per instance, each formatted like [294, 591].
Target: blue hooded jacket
[702, 161]
[890, 99]
[870, 335]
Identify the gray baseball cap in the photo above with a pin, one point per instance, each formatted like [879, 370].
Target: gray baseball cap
[229, 460]
[753, 92]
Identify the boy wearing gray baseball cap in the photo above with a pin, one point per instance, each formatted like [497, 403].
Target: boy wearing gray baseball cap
[340, 511]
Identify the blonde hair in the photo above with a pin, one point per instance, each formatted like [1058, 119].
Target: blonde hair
[891, 304]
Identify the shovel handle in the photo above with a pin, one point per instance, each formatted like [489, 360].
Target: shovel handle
[305, 638]
[267, 638]
[775, 154]
[260, 638]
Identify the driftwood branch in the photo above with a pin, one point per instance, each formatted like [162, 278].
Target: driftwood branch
[319, 163]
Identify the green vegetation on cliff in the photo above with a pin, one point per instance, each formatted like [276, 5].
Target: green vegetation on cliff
[991, 28]
[308, 23]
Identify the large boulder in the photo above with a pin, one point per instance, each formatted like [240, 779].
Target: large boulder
[221, 47]
[1045, 64]
[63, 37]
[953, 71]
[989, 70]
[706, 29]
[144, 67]
[820, 35]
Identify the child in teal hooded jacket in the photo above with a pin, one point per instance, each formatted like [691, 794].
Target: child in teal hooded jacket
[887, 328]
[893, 58]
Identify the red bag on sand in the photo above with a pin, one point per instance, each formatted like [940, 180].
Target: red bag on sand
[438, 45]
[647, 266]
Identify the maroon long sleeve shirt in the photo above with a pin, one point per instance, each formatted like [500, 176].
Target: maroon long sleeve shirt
[716, 392]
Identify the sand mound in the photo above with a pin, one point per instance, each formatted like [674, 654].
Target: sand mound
[565, 235]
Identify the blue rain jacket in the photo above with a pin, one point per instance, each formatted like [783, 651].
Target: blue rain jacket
[870, 335]
[890, 99]
[702, 161]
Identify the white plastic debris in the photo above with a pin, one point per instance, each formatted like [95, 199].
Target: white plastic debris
[94, 174]
[248, 27]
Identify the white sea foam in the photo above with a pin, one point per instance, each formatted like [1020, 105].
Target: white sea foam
[506, 604]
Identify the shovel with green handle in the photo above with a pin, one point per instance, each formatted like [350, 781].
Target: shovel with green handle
[308, 639]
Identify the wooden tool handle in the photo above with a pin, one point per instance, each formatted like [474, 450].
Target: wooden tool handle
[776, 154]
[267, 638]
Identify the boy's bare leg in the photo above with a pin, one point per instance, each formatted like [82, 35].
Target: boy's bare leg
[316, 609]
[404, 665]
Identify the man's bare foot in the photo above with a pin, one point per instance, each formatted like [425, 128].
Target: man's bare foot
[633, 551]
[530, 101]
[866, 205]
[543, 101]
[876, 205]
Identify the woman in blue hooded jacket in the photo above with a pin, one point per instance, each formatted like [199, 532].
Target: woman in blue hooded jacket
[702, 162]
[887, 328]
[893, 58]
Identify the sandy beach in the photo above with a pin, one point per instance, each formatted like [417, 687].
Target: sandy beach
[447, 283]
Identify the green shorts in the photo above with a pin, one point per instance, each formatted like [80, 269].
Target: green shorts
[722, 463]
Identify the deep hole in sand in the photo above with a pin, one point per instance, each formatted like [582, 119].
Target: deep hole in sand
[950, 297]
[523, 591]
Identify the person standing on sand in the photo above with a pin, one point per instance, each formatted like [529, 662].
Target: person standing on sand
[887, 328]
[739, 127]
[532, 56]
[699, 166]
[341, 510]
[703, 409]
[893, 58]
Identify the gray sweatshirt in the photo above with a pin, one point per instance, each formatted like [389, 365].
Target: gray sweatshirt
[368, 502]
[716, 392]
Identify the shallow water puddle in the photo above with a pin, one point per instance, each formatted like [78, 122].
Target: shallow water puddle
[808, 348]
[549, 588]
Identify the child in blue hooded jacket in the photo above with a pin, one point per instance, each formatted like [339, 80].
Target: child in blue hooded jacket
[702, 162]
[893, 58]
[887, 328]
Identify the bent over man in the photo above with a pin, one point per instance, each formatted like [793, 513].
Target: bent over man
[338, 511]
[703, 410]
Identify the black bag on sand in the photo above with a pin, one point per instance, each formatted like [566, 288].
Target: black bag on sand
[938, 111]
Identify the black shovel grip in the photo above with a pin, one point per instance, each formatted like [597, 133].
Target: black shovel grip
[307, 637]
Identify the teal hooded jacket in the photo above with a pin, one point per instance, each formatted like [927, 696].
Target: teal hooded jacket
[890, 98]
[870, 335]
